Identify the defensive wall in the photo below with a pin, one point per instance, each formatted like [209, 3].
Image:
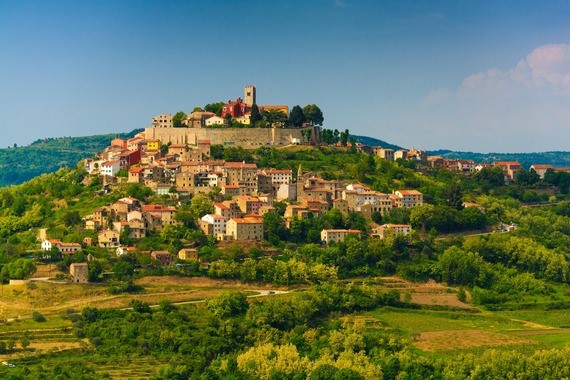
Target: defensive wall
[244, 137]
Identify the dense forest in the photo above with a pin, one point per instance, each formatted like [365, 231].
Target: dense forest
[20, 164]
[338, 314]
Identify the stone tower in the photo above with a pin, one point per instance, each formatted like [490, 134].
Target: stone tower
[249, 95]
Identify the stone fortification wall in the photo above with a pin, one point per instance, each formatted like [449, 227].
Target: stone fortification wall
[244, 137]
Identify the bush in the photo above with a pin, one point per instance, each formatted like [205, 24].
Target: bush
[462, 295]
[38, 317]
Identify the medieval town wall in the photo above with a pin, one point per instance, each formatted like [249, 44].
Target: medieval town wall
[244, 137]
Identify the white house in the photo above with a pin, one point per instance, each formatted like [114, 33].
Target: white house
[218, 223]
[336, 236]
[110, 168]
[397, 229]
[215, 120]
[408, 198]
[65, 248]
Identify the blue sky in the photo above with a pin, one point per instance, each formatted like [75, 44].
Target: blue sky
[464, 75]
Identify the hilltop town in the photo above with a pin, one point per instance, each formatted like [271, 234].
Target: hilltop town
[181, 164]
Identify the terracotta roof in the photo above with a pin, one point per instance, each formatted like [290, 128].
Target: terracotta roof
[128, 153]
[277, 171]
[547, 166]
[247, 198]
[213, 162]
[273, 106]
[155, 208]
[70, 245]
[221, 206]
[238, 165]
[507, 163]
[248, 220]
[409, 192]
[316, 201]
[215, 216]
[347, 231]
[203, 141]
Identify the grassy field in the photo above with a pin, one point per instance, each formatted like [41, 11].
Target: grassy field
[551, 318]
[411, 322]
[50, 299]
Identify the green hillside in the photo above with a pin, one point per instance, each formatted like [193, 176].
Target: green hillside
[371, 141]
[451, 300]
[20, 164]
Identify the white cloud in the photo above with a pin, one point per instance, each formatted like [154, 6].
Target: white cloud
[525, 108]
[546, 66]
[341, 4]
[550, 64]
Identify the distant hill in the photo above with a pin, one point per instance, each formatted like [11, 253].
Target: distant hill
[371, 141]
[20, 164]
[557, 159]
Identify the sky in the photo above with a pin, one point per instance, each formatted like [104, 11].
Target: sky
[485, 76]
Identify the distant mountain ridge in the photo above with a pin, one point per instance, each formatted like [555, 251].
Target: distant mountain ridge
[20, 164]
[371, 141]
[556, 158]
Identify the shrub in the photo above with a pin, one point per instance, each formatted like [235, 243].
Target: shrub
[462, 295]
[38, 317]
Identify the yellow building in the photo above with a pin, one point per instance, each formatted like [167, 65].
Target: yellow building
[153, 145]
[245, 229]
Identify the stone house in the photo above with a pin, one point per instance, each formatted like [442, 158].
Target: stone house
[108, 239]
[245, 229]
[336, 236]
[79, 273]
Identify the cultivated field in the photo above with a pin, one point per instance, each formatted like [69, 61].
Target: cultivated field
[18, 301]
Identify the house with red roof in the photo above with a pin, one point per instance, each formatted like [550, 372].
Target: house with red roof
[407, 198]
[541, 169]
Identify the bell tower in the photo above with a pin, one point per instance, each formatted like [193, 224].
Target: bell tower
[249, 95]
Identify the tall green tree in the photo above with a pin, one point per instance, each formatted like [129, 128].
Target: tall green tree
[215, 108]
[71, 218]
[297, 117]
[19, 269]
[454, 196]
[177, 119]
[313, 114]
[344, 136]
[201, 205]
[255, 116]
[274, 118]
